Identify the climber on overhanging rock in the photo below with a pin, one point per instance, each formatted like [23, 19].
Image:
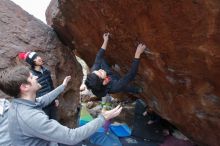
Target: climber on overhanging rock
[103, 80]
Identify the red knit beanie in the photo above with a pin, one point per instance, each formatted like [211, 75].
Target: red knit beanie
[28, 57]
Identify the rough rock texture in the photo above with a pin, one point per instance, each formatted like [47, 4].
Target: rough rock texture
[180, 77]
[19, 32]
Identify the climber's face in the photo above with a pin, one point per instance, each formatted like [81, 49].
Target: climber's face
[100, 73]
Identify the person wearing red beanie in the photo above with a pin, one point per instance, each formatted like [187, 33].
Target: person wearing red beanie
[44, 79]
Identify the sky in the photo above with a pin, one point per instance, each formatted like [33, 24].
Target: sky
[34, 7]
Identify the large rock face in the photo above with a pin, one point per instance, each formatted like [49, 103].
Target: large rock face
[22, 32]
[180, 77]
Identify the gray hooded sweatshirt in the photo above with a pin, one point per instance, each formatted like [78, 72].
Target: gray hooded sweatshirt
[30, 126]
[4, 134]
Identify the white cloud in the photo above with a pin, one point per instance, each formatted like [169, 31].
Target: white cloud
[34, 7]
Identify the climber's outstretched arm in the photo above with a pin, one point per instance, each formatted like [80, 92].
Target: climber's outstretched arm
[118, 85]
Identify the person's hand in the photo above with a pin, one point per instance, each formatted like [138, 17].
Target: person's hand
[66, 80]
[106, 36]
[145, 113]
[82, 87]
[140, 49]
[111, 113]
[57, 102]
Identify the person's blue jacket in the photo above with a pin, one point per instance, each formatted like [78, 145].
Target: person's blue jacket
[116, 84]
[44, 79]
[30, 126]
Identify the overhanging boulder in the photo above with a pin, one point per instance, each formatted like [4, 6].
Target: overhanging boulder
[180, 75]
